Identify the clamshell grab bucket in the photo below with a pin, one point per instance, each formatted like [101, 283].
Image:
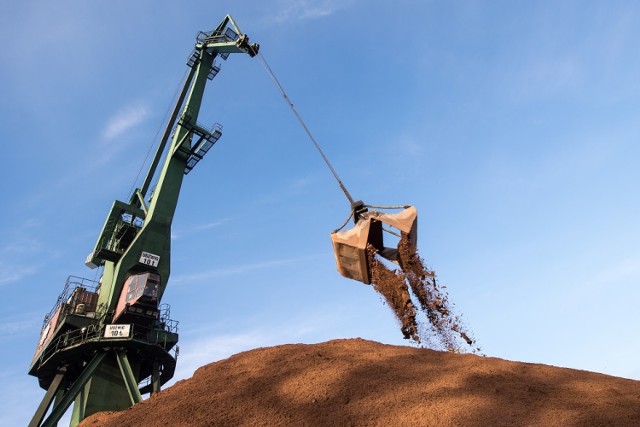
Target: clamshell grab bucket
[350, 246]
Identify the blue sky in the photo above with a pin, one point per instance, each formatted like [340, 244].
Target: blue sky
[512, 128]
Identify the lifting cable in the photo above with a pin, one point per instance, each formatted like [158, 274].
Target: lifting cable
[304, 126]
[155, 138]
[346, 221]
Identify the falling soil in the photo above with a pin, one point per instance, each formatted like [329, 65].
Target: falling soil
[444, 329]
[364, 383]
[391, 284]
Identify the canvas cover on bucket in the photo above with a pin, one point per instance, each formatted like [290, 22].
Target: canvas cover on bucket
[350, 246]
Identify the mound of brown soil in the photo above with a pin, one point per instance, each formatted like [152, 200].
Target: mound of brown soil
[358, 382]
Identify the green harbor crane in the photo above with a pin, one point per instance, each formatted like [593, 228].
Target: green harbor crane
[105, 344]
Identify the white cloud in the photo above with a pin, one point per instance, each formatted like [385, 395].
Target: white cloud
[18, 253]
[14, 273]
[197, 228]
[552, 75]
[123, 120]
[625, 272]
[17, 327]
[235, 270]
[209, 225]
[412, 147]
[22, 244]
[302, 10]
[201, 351]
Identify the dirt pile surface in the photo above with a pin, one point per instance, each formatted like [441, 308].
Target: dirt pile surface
[442, 328]
[357, 382]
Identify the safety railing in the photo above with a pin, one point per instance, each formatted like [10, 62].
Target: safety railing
[70, 339]
[164, 335]
[72, 283]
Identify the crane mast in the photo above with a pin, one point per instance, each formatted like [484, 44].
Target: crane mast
[103, 339]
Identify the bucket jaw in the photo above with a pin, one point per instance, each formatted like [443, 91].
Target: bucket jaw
[350, 246]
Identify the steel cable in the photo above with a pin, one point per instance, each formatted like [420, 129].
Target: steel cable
[155, 138]
[303, 124]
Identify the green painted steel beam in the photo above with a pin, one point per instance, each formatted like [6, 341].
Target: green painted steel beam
[155, 378]
[129, 379]
[141, 202]
[60, 408]
[155, 235]
[228, 47]
[49, 396]
[167, 132]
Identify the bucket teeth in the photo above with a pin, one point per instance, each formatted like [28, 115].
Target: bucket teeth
[350, 246]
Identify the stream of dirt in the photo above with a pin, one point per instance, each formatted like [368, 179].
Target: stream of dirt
[444, 329]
